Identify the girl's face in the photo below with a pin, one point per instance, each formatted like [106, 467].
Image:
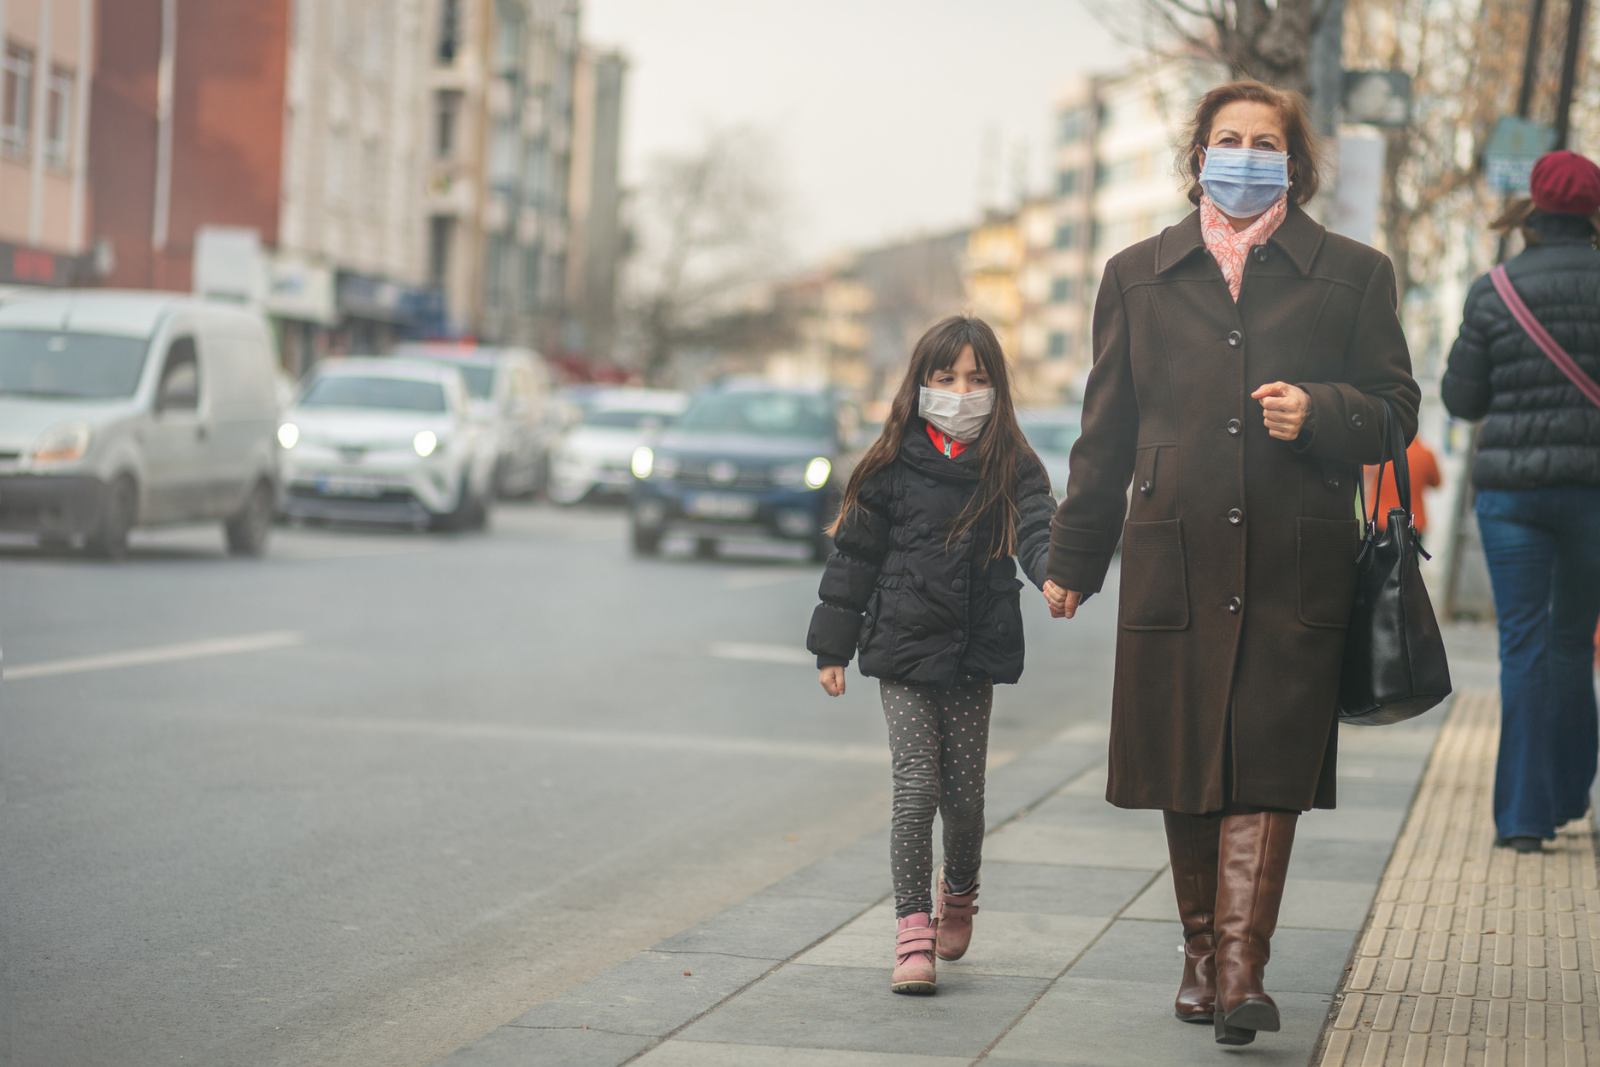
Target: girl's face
[963, 376]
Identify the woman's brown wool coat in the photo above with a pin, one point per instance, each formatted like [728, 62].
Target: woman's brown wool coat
[1238, 553]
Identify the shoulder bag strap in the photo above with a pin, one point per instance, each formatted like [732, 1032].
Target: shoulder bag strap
[1541, 337]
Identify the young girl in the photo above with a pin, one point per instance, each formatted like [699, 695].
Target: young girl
[923, 584]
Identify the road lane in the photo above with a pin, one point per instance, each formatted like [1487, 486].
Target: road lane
[495, 766]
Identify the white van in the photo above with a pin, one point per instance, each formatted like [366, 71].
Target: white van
[122, 408]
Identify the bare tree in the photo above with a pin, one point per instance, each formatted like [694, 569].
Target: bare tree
[1252, 38]
[710, 224]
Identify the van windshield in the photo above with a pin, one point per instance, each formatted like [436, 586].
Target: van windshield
[73, 366]
[390, 394]
[763, 414]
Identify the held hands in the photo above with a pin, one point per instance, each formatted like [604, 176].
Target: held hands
[1063, 602]
[832, 679]
[1284, 408]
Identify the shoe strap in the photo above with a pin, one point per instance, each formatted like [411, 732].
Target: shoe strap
[914, 939]
[950, 909]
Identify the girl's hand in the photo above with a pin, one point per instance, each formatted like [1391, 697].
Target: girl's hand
[1063, 602]
[1284, 408]
[832, 679]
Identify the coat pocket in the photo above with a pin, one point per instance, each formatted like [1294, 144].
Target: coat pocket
[1155, 583]
[1326, 559]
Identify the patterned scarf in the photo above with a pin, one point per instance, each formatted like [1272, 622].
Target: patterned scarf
[1229, 246]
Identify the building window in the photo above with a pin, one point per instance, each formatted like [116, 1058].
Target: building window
[441, 228]
[1074, 125]
[58, 118]
[1058, 344]
[16, 112]
[1060, 290]
[446, 117]
[532, 276]
[449, 31]
[333, 170]
[1068, 182]
[1067, 235]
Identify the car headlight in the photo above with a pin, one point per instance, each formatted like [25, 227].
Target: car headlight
[425, 442]
[644, 461]
[817, 472]
[288, 435]
[62, 444]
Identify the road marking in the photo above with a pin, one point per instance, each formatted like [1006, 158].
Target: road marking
[763, 653]
[752, 579]
[140, 657]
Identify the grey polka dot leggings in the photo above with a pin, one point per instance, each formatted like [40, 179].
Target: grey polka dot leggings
[938, 742]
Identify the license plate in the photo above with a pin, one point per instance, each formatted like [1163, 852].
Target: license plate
[348, 487]
[720, 506]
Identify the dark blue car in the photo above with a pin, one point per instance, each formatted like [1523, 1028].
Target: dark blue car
[747, 459]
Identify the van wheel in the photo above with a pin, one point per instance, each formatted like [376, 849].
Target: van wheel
[118, 511]
[247, 531]
[464, 516]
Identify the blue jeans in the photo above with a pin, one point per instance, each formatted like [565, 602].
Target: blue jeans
[1543, 548]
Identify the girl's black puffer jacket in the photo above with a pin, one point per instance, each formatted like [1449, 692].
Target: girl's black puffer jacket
[1540, 430]
[922, 611]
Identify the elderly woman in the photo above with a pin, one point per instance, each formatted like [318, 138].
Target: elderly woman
[1242, 361]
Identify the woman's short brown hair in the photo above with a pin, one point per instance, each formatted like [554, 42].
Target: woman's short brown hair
[1305, 149]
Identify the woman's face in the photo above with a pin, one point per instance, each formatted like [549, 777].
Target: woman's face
[1248, 124]
[963, 376]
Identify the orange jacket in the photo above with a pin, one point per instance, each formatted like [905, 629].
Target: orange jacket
[1424, 475]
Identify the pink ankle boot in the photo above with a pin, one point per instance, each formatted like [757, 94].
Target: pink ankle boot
[913, 955]
[953, 918]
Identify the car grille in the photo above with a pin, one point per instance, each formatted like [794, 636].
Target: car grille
[388, 496]
[697, 476]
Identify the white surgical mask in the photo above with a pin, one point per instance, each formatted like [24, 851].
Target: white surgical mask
[1244, 181]
[958, 415]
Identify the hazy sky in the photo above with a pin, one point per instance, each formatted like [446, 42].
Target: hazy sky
[881, 109]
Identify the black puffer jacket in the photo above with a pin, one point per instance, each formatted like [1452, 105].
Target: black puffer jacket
[934, 613]
[1539, 429]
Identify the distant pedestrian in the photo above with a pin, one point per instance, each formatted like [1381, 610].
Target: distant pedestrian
[1537, 472]
[923, 584]
[1243, 360]
[1424, 468]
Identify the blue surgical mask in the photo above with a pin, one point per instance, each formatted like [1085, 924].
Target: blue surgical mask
[1244, 181]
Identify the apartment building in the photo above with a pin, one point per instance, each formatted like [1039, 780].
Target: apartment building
[46, 68]
[596, 242]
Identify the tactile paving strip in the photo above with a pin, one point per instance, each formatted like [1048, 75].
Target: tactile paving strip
[1473, 955]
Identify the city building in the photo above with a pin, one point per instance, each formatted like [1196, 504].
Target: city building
[46, 68]
[1010, 282]
[596, 242]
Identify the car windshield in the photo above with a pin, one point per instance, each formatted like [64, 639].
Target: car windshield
[617, 419]
[1051, 436]
[478, 376]
[389, 394]
[763, 414]
[75, 366]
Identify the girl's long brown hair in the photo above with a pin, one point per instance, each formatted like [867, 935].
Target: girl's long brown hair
[998, 447]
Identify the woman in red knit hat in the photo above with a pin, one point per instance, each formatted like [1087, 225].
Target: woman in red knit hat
[1537, 471]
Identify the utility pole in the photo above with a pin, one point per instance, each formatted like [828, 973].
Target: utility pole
[1327, 66]
[1530, 59]
[1569, 70]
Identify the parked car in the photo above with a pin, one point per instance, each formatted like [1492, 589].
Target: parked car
[379, 439]
[747, 459]
[594, 459]
[509, 390]
[1051, 432]
[122, 409]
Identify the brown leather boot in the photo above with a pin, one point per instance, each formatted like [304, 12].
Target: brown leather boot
[1253, 862]
[1192, 844]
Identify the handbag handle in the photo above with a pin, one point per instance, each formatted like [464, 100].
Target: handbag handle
[1541, 337]
[1394, 452]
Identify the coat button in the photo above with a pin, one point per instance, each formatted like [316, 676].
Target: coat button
[1236, 516]
[1235, 339]
[918, 580]
[1145, 487]
[1260, 252]
[919, 632]
[1331, 483]
[959, 585]
[1234, 426]
[930, 482]
[1003, 629]
[1234, 604]
[1355, 419]
[924, 529]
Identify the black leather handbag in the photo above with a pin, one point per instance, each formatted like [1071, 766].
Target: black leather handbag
[1394, 660]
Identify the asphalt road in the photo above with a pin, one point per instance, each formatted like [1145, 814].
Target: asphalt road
[366, 799]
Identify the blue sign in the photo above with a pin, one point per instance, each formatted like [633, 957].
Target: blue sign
[1514, 147]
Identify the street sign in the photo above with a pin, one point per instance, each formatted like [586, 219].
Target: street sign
[1514, 147]
[1377, 97]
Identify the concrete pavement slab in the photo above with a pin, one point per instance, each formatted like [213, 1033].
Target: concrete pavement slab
[769, 927]
[1086, 1023]
[707, 1054]
[1027, 842]
[1380, 825]
[852, 1008]
[856, 872]
[1034, 774]
[511, 1046]
[1094, 813]
[1133, 950]
[649, 993]
[1091, 783]
[1050, 889]
[1307, 902]
[1356, 861]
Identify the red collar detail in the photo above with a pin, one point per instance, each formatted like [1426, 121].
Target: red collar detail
[948, 445]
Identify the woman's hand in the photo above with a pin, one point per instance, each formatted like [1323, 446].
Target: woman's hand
[1284, 408]
[1063, 602]
[832, 679]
